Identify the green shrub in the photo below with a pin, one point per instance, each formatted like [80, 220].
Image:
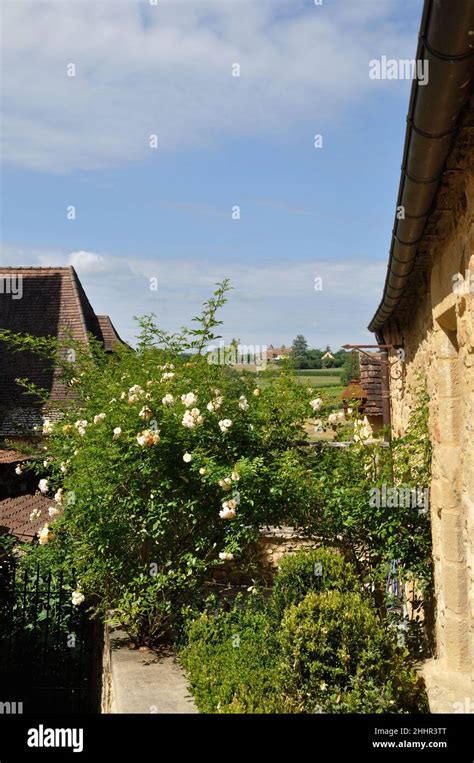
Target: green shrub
[321, 569]
[328, 654]
[162, 467]
[232, 662]
[339, 659]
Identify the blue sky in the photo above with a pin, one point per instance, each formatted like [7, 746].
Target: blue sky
[142, 213]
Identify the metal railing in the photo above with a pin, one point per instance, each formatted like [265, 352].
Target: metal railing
[49, 648]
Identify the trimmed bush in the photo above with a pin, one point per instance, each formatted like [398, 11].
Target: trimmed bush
[327, 651]
[321, 569]
[339, 659]
[232, 662]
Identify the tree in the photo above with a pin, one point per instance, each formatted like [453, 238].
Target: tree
[350, 367]
[315, 358]
[339, 358]
[299, 352]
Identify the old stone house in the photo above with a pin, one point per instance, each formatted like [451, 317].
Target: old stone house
[43, 302]
[52, 302]
[427, 311]
[277, 353]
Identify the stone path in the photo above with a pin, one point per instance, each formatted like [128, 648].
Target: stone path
[142, 681]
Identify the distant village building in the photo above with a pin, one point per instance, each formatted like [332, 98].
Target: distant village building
[427, 312]
[277, 353]
[327, 356]
[44, 302]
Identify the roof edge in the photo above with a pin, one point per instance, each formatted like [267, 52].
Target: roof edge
[443, 42]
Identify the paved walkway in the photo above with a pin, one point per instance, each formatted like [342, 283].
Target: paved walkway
[143, 681]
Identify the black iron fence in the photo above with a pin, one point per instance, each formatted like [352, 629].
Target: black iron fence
[50, 649]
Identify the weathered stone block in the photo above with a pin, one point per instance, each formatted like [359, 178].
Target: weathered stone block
[456, 641]
[445, 349]
[450, 419]
[455, 587]
[442, 494]
[448, 378]
[448, 460]
[452, 536]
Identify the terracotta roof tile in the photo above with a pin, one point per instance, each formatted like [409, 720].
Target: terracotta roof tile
[51, 302]
[15, 515]
[109, 333]
[12, 457]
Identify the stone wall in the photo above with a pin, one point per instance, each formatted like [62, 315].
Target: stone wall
[436, 329]
[276, 542]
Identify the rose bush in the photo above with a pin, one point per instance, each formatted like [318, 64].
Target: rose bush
[161, 466]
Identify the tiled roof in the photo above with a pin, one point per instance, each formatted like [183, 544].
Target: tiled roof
[49, 302]
[53, 303]
[273, 352]
[109, 333]
[15, 515]
[12, 457]
[371, 382]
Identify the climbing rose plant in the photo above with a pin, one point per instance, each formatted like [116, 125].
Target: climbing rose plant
[162, 466]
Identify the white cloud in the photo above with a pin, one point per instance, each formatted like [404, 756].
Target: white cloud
[143, 69]
[88, 262]
[270, 303]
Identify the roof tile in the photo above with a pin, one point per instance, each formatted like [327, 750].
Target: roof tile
[15, 515]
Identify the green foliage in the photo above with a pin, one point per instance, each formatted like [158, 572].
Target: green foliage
[232, 661]
[340, 659]
[321, 372]
[7, 544]
[379, 535]
[321, 569]
[314, 358]
[412, 453]
[350, 367]
[329, 653]
[299, 352]
[140, 519]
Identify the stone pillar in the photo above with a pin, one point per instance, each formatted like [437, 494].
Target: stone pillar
[449, 516]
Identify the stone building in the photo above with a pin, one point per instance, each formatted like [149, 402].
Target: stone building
[43, 302]
[427, 310]
[277, 353]
[46, 302]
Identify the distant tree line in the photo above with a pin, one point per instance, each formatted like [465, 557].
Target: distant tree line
[303, 357]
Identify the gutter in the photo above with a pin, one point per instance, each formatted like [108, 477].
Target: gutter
[446, 41]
